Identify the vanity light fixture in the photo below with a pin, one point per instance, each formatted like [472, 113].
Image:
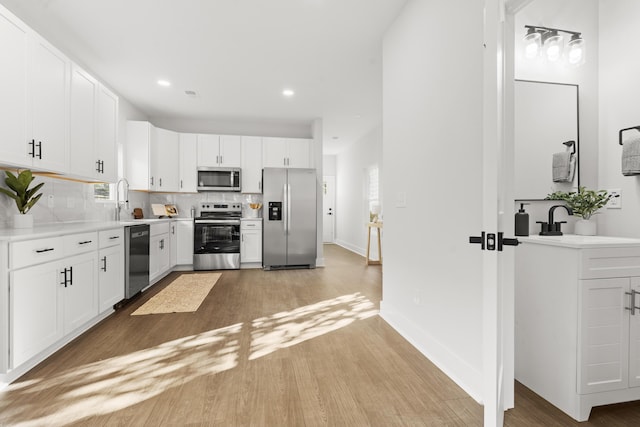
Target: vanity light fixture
[550, 43]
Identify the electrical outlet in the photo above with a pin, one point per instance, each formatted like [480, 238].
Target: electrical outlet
[401, 199]
[615, 200]
[51, 201]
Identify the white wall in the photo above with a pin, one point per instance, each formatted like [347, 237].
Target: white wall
[236, 127]
[329, 163]
[572, 15]
[432, 138]
[351, 207]
[619, 98]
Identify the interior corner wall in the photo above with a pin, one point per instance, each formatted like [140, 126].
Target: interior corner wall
[351, 211]
[619, 96]
[432, 99]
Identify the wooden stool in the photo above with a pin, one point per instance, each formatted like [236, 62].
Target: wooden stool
[371, 225]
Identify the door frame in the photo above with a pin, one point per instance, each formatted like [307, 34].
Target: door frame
[333, 218]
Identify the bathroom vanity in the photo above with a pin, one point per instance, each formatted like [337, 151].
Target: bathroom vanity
[577, 320]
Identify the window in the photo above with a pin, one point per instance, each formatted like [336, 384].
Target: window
[103, 192]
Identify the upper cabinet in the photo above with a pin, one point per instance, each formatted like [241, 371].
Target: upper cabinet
[165, 169]
[188, 163]
[56, 117]
[219, 151]
[251, 164]
[140, 137]
[286, 153]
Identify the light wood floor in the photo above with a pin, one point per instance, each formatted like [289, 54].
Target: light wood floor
[278, 348]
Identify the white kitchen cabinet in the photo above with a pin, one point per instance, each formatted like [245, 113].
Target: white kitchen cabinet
[141, 137]
[14, 41]
[80, 300]
[159, 251]
[219, 151]
[188, 163]
[576, 337]
[111, 268]
[106, 151]
[47, 116]
[251, 164]
[286, 152]
[251, 241]
[173, 245]
[35, 307]
[165, 169]
[82, 124]
[184, 247]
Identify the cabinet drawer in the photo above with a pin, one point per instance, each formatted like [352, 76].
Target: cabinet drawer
[79, 243]
[602, 263]
[31, 252]
[159, 228]
[251, 225]
[112, 237]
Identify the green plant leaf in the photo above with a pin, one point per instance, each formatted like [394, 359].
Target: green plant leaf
[24, 197]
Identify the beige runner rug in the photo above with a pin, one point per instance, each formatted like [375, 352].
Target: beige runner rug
[183, 295]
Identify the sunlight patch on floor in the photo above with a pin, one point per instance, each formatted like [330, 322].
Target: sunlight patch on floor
[113, 384]
[289, 328]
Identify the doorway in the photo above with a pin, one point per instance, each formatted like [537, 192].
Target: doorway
[328, 208]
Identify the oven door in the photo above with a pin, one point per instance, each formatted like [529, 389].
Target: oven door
[216, 244]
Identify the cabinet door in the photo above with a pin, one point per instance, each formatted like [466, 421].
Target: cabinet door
[208, 150]
[274, 152]
[603, 341]
[173, 245]
[35, 303]
[154, 256]
[154, 159]
[184, 249]
[107, 138]
[137, 159]
[14, 138]
[164, 255]
[230, 151]
[82, 124]
[298, 153]
[49, 75]
[251, 246]
[634, 337]
[251, 164]
[111, 277]
[80, 294]
[188, 163]
[167, 151]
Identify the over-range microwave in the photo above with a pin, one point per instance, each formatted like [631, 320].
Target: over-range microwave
[218, 179]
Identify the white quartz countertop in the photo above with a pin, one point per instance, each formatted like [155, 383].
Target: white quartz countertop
[60, 228]
[581, 242]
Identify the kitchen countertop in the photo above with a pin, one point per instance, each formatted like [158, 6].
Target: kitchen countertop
[581, 242]
[57, 229]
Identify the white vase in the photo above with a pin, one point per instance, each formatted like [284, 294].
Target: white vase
[23, 221]
[586, 227]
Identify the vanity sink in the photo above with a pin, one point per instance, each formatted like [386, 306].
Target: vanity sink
[576, 241]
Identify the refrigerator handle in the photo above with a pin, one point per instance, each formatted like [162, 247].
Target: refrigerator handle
[284, 213]
[288, 208]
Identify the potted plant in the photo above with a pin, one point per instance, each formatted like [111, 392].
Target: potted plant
[24, 196]
[584, 203]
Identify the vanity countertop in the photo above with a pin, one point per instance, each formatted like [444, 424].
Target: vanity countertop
[581, 242]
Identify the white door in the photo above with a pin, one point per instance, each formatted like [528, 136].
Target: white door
[328, 208]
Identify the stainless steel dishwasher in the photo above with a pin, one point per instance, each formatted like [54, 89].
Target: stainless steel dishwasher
[136, 260]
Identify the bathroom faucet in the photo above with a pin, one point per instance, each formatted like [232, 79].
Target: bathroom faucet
[125, 191]
[553, 228]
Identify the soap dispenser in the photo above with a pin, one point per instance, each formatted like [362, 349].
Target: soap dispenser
[522, 221]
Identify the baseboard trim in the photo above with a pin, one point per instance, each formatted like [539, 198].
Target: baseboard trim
[353, 248]
[460, 372]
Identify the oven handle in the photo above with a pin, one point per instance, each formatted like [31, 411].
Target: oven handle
[218, 221]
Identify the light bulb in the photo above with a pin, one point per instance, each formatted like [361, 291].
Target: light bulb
[531, 44]
[575, 51]
[552, 42]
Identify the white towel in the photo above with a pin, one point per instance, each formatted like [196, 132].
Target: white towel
[563, 166]
[631, 157]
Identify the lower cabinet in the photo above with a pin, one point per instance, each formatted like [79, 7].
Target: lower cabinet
[80, 293]
[251, 241]
[111, 270]
[184, 245]
[159, 250]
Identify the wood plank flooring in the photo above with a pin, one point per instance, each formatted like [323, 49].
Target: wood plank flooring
[278, 348]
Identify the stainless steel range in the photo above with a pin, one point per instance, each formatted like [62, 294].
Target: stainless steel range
[216, 237]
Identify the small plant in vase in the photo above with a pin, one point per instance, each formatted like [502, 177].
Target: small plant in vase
[24, 197]
[584, 204]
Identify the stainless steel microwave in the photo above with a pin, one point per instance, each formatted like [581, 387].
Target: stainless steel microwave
[218, 179]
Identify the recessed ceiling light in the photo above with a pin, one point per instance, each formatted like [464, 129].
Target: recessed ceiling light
[335, 137]
[190, 92]
[288, 93]
[164, 83]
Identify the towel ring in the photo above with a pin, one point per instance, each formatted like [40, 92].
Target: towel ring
[571, 144]
[623, 130]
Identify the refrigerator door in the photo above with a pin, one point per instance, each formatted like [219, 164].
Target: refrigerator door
[301, 216]
[274, 241]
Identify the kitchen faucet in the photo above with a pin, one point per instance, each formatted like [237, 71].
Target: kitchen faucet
[125, 191]
[553, 228]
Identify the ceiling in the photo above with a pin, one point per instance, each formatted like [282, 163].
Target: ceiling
[237, 55]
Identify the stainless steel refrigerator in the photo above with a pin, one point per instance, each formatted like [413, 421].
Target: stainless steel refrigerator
[289, 229]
